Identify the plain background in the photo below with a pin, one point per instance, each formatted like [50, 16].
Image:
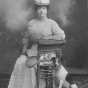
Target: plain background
[75, 53]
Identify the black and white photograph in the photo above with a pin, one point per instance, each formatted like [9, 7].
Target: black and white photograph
[43, 44]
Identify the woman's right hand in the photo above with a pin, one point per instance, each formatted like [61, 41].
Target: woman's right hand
[47, 37]
[21, 59]
[31, 61]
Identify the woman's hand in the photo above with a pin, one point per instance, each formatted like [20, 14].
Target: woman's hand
[48, 37]
[53, 37]
[31, 61]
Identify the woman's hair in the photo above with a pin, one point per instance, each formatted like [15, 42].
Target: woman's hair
[37, 6]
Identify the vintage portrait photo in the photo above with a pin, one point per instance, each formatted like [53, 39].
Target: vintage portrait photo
[43, 43]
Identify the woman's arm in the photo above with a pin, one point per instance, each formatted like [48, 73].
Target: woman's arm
[57, 32]
[57, 36]
[25, 41]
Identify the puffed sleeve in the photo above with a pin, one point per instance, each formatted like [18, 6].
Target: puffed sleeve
[56, 30]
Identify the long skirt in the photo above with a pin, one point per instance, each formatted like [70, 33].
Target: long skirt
[22, 76]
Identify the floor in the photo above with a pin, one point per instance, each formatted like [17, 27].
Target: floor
[80, 79]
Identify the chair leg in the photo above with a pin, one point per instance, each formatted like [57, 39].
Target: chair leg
[42, 83]
[38, 76]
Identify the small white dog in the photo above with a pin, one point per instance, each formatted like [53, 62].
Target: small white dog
[63, 82]
[62, 74]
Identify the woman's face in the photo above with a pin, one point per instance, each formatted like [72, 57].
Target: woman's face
[42, 11]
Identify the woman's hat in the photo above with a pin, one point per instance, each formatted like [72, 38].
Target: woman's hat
[42, 2]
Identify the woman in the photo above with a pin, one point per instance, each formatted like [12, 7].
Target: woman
[40, 27]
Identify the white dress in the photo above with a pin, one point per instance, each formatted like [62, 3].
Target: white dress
[22, 76]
